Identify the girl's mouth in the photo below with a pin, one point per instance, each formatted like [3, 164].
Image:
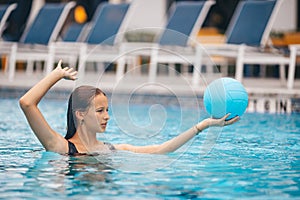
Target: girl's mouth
[103, 125]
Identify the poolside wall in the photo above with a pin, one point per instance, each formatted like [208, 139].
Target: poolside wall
[258, 103]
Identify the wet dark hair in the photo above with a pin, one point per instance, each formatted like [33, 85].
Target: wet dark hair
[79, 100]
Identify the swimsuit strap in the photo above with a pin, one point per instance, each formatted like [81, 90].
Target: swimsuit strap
[110, 146]
[72, 148]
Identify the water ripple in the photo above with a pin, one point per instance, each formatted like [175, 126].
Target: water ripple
[257, 158]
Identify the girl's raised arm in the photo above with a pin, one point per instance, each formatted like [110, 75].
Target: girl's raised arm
[179, 140]
[50, 139]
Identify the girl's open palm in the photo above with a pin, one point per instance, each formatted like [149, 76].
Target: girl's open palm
[222, 121]
[68, 73]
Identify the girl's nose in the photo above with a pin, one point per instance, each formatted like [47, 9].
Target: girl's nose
[106, 116]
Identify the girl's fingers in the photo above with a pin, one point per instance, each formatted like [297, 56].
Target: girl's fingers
[227, 115]
[59, 63]
[237, 118]
[74, 73]
[70, 72]
[233, 120]
[69, 69]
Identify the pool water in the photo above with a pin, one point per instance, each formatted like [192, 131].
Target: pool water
[256, 158]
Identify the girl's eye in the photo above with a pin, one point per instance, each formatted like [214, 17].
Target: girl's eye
[102, 110]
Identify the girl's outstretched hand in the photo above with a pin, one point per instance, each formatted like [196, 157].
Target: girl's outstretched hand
[216, 122]
[222, 121]
[67, 73]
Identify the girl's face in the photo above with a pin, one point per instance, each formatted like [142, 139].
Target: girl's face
[97, 115]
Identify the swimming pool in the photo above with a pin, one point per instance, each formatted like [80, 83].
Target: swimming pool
[257, 158]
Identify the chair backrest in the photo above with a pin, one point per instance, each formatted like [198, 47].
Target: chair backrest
[2, 10]
[5, 11]
[252, 22]
[185, 22]
[73, 32]
[47, 24]
[107, 23]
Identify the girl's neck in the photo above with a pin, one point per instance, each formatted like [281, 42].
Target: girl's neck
[84, 141]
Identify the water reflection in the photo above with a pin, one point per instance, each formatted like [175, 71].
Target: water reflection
[54, 173]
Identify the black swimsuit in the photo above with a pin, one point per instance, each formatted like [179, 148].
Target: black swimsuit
[72, 148]
[74, 151]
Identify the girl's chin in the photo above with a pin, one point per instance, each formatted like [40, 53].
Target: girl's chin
[102, 130]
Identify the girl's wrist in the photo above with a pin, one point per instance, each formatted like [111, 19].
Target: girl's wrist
[201, 126]
[58, 73]
[198, 130]
[198, 127]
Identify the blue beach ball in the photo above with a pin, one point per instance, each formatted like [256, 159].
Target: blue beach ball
[225, 95]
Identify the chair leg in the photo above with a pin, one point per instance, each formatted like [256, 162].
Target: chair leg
[6, 64]
[263, 70]
[120, 68]
[133, 65]
[72, 61]
[240, 63]
[292, 66]
[171, 69]
[121, 63]
[282, 74]
[50, 61]
[209, 68]
[100, 66]
[136, 63]
[224, 68]
[153, 66]
[12, 62]
[184, 68]
[29, 67]
[197, 66]
[82, 61]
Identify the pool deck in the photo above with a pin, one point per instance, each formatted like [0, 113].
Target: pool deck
[179, 84]
[268, 90]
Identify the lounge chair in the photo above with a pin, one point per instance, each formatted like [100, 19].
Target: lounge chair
[33, 45]
[247, 37]
[5, 11]
[294, 52]
[67, 48]
[101, 44]
[175, 43]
